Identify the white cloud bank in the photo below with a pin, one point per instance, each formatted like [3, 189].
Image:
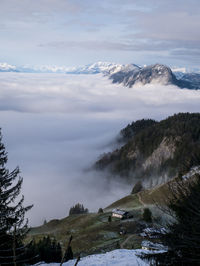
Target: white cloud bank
[56, 125]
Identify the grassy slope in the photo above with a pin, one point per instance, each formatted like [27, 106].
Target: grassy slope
[92, 233]
[128, 203]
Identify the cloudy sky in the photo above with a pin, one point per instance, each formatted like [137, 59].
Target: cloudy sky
[55, 126]
[77, 32]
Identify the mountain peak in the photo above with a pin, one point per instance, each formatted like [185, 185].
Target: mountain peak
[94, 68]
[157, 73]
[153, 73]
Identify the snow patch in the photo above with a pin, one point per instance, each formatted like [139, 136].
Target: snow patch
[194, 170]
[118, 257]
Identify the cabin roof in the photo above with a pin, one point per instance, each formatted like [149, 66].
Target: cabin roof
[120, 212]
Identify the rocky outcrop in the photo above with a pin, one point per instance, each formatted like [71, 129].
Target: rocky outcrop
[164, 151]
[157, 73]
[155, 152]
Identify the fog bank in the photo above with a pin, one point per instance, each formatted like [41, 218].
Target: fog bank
[55, 126]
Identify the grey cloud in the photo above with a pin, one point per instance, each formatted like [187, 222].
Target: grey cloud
[112, 26]
[28, 7]
[108, 45]
[185, 52]
[151, 45]
[168, 25]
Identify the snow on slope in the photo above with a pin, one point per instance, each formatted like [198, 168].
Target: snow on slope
[4, 67]
[194, 170]
[96, 68]
[99, 67]
[118, 257]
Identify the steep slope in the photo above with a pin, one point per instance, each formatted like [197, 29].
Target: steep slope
[155, 152]
[193, 79]
[157, 73]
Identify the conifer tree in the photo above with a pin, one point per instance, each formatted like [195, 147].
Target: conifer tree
[13, 227]
[183, 235]
[78, 209]
[147, 215]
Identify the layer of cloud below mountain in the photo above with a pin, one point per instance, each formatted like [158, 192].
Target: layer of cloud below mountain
[56, 125]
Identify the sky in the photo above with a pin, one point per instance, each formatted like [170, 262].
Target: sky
[55, 126]
[79, 32]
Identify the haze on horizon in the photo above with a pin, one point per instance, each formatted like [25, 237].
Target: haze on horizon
[76, 32]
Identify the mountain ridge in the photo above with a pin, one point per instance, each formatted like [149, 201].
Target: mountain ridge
[94, 68]
[157, 73]
[128, 75]
[154, 152]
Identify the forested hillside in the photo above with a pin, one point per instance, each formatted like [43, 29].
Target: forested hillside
[154, 151]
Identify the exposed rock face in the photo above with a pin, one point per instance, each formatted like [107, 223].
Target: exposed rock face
[165, 151]
[133, 154]
[155, 74]
[154, 152]
[148, 170]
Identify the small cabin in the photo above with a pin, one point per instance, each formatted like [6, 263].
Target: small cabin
[121, 214]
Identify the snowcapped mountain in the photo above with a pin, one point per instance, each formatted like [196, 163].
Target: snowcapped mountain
[99, 67]
[129, 74]
[179, 72]
[157, 73]
[4, 67]
[160, 73]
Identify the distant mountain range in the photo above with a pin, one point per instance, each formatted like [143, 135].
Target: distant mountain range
[129, 75]
[96, 68]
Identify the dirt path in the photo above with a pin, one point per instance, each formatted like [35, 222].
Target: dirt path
[140, 199]
[126, 240]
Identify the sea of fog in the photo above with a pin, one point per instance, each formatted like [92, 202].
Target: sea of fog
[55, 126]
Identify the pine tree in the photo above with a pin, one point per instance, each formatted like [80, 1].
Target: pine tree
[137, 187]
[12, 213]
[183, 236]
[100, 210]
[147, 215]
[78, 209]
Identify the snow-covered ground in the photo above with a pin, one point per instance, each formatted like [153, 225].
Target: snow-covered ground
[118, 257]
[194, 170]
